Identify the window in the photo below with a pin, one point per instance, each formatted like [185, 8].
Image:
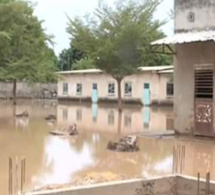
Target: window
[128, 89]
[204, 82]
[146, 85]
[65, 88]
[79, 89]
[95, 86]
[111, 89]
[169, 89]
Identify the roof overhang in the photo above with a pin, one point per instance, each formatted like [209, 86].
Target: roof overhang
[181, 38]
[188, 37]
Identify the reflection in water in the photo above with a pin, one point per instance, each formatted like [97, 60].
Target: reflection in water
[63, 161]
[146, 118]
[79, 115]
[94, 112]
[22, 122]
[164, 165]
[111, 118]
[130, 120]
[65, 114]
[52, 159]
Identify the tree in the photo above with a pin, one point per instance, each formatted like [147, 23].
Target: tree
[84, 63]
[68, 57]
[118, 38]
[24, 51]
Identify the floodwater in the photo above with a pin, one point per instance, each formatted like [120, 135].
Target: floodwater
[83, 158]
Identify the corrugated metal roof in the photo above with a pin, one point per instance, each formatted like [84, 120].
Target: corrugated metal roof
[188, 37]
[166, 71]
[155, 68]
[88, 71]
[93, 71]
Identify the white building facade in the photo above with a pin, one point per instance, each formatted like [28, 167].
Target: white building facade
[152, 85]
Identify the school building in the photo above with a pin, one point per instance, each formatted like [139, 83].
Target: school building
[151, 85]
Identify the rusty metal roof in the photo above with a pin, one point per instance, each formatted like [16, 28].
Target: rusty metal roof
[188, 37]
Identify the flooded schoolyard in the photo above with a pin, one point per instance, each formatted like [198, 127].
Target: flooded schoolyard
[84, 159]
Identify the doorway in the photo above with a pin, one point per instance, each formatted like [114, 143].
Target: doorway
[146, 94]
[203, 100]
[95, 93]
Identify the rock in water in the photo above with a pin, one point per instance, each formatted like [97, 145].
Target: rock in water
[112, 145]
[66, 131]
[72, 130]
[24, 114]
[51, 117]
[126, 144]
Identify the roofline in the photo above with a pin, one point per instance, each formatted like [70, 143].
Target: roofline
[186, 37]
[98, 71]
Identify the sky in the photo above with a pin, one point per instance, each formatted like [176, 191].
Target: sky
[54, 13]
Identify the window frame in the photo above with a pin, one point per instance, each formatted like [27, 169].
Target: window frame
[111, 93]
[80, 87]
[130, 93]
[67, 87]
[169, 89]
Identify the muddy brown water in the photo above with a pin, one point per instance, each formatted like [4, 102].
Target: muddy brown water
[54, 160]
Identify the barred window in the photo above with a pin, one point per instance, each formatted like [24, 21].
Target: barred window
[65, 88]
[169, 89]
[79, 89]
[204, 82]
[111, 89]
[128, 89]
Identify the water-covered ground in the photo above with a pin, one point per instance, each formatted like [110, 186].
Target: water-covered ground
[84, 159]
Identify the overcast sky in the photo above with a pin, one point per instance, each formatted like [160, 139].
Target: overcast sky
[53, 12]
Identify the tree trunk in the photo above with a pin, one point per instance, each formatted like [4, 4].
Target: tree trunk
[119, 95]
[14, 91]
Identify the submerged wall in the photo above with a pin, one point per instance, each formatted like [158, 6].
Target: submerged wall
[188, 55]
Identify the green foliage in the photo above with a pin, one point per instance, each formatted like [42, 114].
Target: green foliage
[68, 57]
[118, 38]
[84, 63]
[24, 51]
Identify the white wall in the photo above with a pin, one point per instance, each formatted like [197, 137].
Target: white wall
[204, 15]
[157, 86]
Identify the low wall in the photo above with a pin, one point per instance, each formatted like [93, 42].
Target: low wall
[188, 186]
[133, 187]
[25, 90]
[172, 185]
